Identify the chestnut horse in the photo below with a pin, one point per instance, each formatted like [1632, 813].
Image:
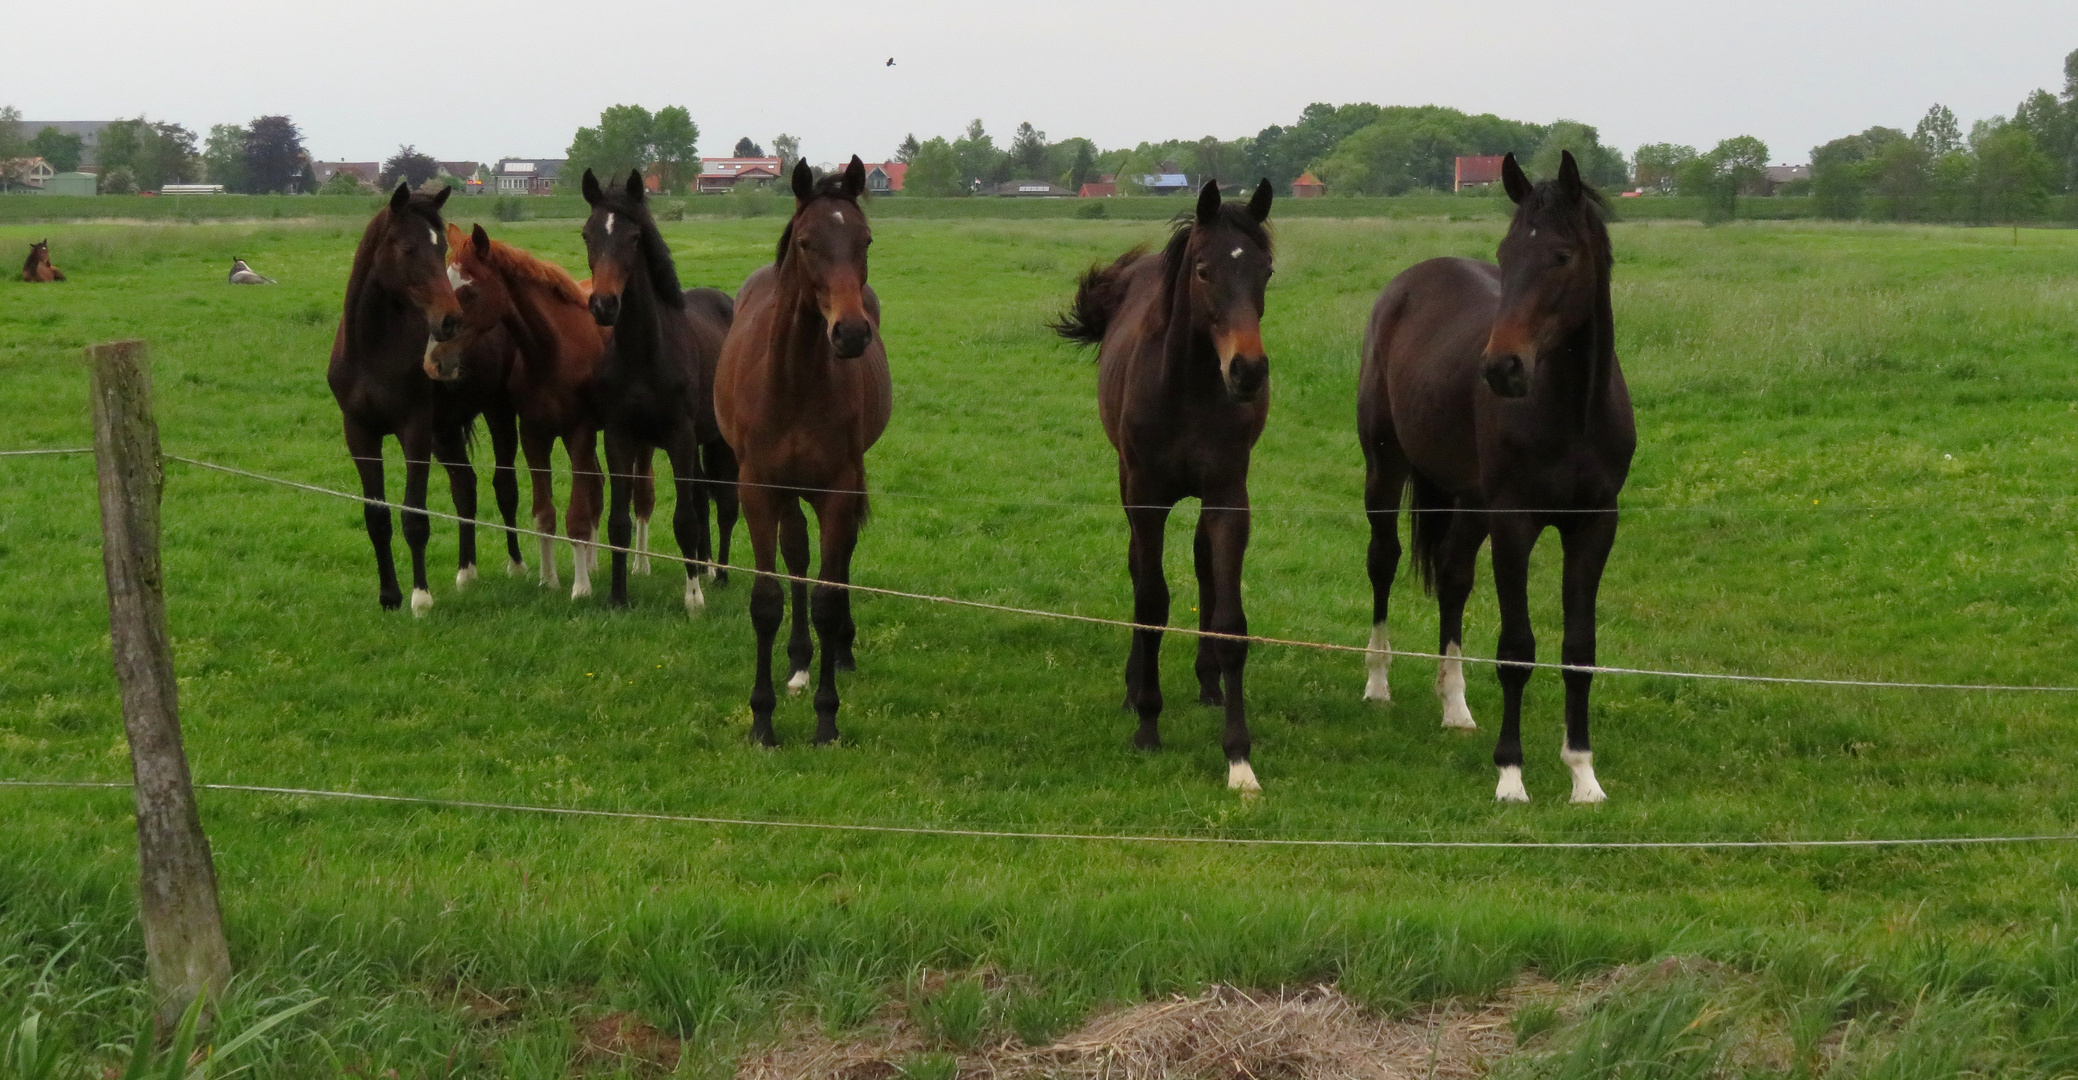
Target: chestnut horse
[398, 301]
[803, 391]
[37, 267]
[1493, 392]
[1183, 389]
[510, 296]
[653, 389]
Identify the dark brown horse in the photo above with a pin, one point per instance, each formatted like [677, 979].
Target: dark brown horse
[1183, 388]
[37, 267]
[653, 389]
[1493, 392]
[398, 301]
[803, 391]
[510, 296]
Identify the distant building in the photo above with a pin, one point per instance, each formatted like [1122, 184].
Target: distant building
[73, 183]
[1776, 177]
[885, 177]
[719, 176]
[1477, 171]
[89, 132]
[1103, 187]
[369, 172]
[525, 176]
[1308, 186]
[1028, 189]
[1165, 183]
[34, 171]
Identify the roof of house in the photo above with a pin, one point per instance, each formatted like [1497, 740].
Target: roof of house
[894, 170]
[366, 170]
[1482, 169]
[544, 168]
[1782, 174]
[459, 169]
[1098, 189]
[1162, 180]
[1025, 187]
[737, 166]
[1307, 179]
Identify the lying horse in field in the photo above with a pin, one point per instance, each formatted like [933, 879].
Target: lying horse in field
[1183, 389]
[398, 300]
[242, 274]
[803, 391]
[37, 267]
[538, 310]
[653, 389]
[1493, 393]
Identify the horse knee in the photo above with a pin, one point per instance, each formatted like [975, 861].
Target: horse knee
[767, 606]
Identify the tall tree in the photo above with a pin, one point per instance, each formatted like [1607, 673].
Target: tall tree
[934, 170]
[408, 165]
[674, 147]
[1658, 165]
[1028, 152]
[223, 156]
[1743, 159]
[618, 146]
[274, 155]
[787, 148]
[13, 148]
[60, 150]
[746, 148]
[2013, 176]
[1600, 165]
[978, 159]
[906, 152]
[1085, 167]
[145, 155]
[1938, 133]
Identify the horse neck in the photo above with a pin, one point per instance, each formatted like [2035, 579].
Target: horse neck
[638, 334]
[542, 325]
[801, 351]
[1584, 363]
[1190, 365]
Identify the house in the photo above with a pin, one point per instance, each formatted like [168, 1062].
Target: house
[1028, 189]
[73, 183]
[1477, 171]
[525, 176]
[33, 171]
[1167, 183]
[369, 172]
[1308, 186]
[1103, 187]
[885, 177]
[718, 176]
[89, 132]
[1776, 177]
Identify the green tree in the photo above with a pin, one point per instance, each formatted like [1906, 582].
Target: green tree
[1085, 168]
[1028, 153]
[1706, 178]
[2053, 124]
[60, 150]
[1843, 170]
[13, 148]
[223, 156]
[1408, 148]
[343, 182]
[1282, 153]
[674, 147]
[2014, 177]
[1899, 173]
[934, 170]
[787, 148]
[746, 148]
[1938, 133]
[153, 154]
[620, 144]
[906, 152]
[978, 159]
[408, 165]
[274, 156]
[1602, 166]
[1744, 160]
[1658, 165]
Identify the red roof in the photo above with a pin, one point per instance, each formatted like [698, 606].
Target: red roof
[1479, 170]
[895, 171]
[1098, 190]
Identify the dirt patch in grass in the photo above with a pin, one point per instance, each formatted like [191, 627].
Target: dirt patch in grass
[623, 1040]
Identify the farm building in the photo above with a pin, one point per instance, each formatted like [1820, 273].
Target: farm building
[1776, 177]
[719, 175]
[1308, 186]
[1165, 183]
[368, 171]
[34, 172]
[1103, 187]
[72, 183]
[1477, 171]
[1029, 189]
[885, 177]
[89, 132]
[525, 176]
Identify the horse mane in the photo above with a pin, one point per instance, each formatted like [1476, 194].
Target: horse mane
[1099, 293]
[520, 265]
[29, 264]
[1547, 201]
[828, 187]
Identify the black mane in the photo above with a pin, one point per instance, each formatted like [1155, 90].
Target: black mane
[29, 264]
[1547, 202]
[828, 187]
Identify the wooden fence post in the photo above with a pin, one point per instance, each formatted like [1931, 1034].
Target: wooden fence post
[183, 926]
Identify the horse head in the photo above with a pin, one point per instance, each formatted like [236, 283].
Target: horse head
[480, 289]
[622, 244]
[823, 253]
[1554, 274]
[410, 257]
[1219, 264]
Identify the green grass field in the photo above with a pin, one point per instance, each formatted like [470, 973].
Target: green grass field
[1855, 461]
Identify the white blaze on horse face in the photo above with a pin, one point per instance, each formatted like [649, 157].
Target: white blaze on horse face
[1450, 686]
[1510, 788]
[797, 683]
[695, 600]
[839, 215]
[1241, 778]
[455, 280]
[421, 602]
[1380, 662]
[1234, 254]
[464, 576]
[1582, 764]
[609, 224]
[435, 234]
[549, 579]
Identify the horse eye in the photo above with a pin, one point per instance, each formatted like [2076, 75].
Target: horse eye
[1203, 274]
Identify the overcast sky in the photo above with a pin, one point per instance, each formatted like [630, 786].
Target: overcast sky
[516, 77]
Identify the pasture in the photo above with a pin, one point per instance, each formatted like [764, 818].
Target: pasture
[1855, 461]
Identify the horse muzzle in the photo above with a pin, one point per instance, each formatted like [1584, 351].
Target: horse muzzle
[1506, 376]
[1246, 376]
[606, 308]
[446, 326]
[443, 361]
[849, 337]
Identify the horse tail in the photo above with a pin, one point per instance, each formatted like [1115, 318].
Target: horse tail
[1099, 293]
[1431, 516]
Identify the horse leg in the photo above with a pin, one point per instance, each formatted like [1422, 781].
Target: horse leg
[1514, 536]
[586, 507]
[1455, 569]
[620, 463]
[688, 515]
[837, 522]
[539, 446]
[1587, 539]
[1385, 473]
[366, 448]
[645, 508]
[418, 464]
[720, 468]
[1227, 529]
[1150, 608]
[452, 451]
[505, 484]
[793, 544]
[767, 606]
[1207, 666]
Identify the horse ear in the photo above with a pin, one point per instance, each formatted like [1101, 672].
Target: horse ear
[454, 237]
[1259, 204]
[481, 241]
[1512, 178]
[1208, 202]
[804, 181]
[635, 189]
[854, 178]
[592, 194]
[1569, 176]
[440, 200]
[400, 198]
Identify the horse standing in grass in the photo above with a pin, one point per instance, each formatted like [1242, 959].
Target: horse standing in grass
[1493, 393]
[37, 267]
[653, 388]
[398, 303]
[803, 391]
[1183, 391]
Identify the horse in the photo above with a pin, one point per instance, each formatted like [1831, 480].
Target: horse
[1493, 394]
[803, 391]
[242, 274]
[1183, 390]
[510, 296]
[653, 390]
[399, 302]
[37, 267]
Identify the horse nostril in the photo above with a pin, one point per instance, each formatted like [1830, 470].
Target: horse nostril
[605, 309]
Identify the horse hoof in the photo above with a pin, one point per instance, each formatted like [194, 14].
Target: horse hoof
[695, 600]
[1211, 697]
[1510, 788]
[1376, 688]
[847, 662]
[1241, 778]
[1582, 763]
[391, 601]
[618, 603]
[464, 576]
[825, 738]
[515, 568]
[582, 589]
[797, 683]
[765, 739]
[711, 574]
[1457, 717]
[1147, 740]
[421, 602]
[721, 577]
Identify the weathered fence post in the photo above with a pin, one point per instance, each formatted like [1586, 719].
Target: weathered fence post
[183, 927]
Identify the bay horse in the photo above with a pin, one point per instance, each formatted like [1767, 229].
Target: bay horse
[802, 393]
[37, 267]
[1494, 395]
[398, 301]
[509, 296]
[653, 389]
[1183, 390]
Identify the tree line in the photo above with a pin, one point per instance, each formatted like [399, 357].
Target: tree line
[264, 156]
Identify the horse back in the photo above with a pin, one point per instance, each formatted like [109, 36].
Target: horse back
[1423, 349]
